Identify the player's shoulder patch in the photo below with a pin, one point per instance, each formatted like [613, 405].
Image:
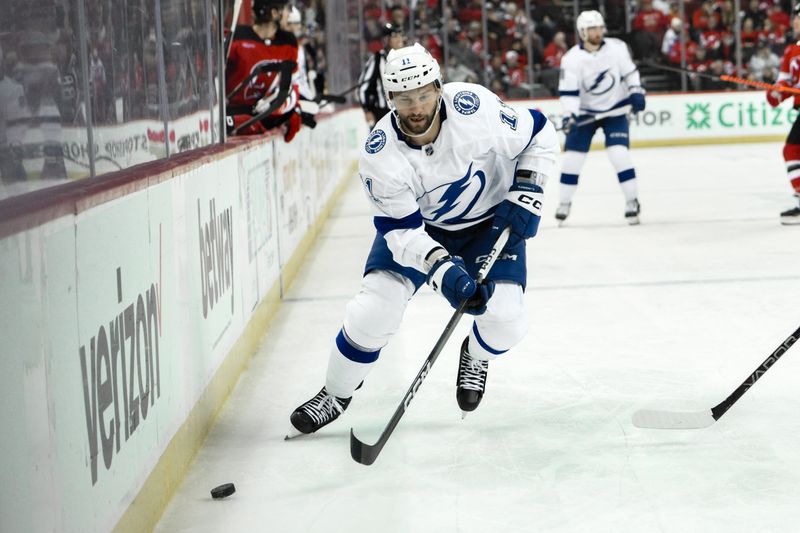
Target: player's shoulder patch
[375, 142]
[466, 102]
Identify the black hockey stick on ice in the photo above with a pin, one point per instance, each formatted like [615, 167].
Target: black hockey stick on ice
[700, 419]
[367, 453]
[595, 118]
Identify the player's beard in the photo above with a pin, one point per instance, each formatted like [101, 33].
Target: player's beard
[418, 127]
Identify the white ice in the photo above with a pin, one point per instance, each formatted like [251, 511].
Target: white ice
[672, 314]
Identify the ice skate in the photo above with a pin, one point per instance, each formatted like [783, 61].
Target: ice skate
[632, 212]
[316, 413]
[791, 217]
[471, 380]
[562, 212]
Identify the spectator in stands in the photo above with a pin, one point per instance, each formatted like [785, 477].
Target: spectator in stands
[711, 39]
[649, 26]
[700, 64]
[516, 77]
[555, 50]
[755, 12]
[675, 53]
[702, 14]
[771, 36]
[764, 65]
[671, 36]
[458, 71]
[750, 35]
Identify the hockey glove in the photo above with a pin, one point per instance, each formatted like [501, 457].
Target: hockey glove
[449, 277]
[637, 102]
[776, 97]
[521, 210]
[567, 123]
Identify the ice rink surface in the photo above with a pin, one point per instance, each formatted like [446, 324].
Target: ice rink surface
[671, 314]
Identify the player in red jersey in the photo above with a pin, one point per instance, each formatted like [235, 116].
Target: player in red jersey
[258, 74]
[790, 77]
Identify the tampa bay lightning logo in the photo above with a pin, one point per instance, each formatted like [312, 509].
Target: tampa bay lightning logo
[375, 141]
[457, 199]
[602, 83]
[466, 102]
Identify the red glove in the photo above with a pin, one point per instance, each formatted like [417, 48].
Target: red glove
[292, 126]
[776, 97]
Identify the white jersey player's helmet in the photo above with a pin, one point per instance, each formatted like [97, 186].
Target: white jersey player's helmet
[409, 68]
[589, 19]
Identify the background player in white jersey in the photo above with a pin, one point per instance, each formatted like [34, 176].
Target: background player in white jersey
[446, 171]
[598, 77]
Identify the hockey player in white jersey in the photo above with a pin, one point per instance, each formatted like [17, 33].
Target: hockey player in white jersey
[445, 172]
[598, 80]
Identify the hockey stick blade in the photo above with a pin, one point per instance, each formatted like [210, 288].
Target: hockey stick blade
[651, 419]
[367, 453]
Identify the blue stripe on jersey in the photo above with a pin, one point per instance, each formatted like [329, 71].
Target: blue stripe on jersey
[386, 224]
[353, 353]
[569, 93]
[621, 103]
[626, 175]
[539, 120]
[483, 343]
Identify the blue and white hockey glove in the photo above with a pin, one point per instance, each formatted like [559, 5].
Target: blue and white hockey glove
[521, 210]
[449, 277]
[637, 101]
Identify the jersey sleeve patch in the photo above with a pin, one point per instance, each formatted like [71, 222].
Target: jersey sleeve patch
[375, 142]
[466, 102]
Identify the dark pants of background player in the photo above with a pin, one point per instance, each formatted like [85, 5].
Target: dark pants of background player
[794, 133]
[472, 244]
[614, 128]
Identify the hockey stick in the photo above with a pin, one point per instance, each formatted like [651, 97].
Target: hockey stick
[595, 118]
[237, 6]
[726, 78]
[700, 419]
[367, 453]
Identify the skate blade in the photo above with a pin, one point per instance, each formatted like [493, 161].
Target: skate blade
[464, 414]
[787, 221]
[561, 222]
[632, 221]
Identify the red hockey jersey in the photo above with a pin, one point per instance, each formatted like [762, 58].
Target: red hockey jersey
[789, 76]
[248, 52]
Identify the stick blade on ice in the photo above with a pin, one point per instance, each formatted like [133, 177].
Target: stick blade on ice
[672, 420]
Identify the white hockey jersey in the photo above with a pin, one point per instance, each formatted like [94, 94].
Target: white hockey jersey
[457, 180]
[598, 82]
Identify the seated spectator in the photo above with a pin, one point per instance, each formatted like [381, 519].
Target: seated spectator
[672, 35]
[779, 17]
[555, 50]
[675, 53]
[764, 65]
[649, 26]
[771, 36]
[711, 39]
[750, 35]
[702, 14]
[458, 71]
[516, 79]
[700, 64]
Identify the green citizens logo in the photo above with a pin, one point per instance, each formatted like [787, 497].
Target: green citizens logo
[737, 115]
[698, 116]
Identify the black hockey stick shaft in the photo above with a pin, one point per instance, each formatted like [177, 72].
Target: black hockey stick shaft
[592, 120]
[367, 453]
[721, 408]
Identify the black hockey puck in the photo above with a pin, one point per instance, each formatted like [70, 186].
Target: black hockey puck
[223, 491]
